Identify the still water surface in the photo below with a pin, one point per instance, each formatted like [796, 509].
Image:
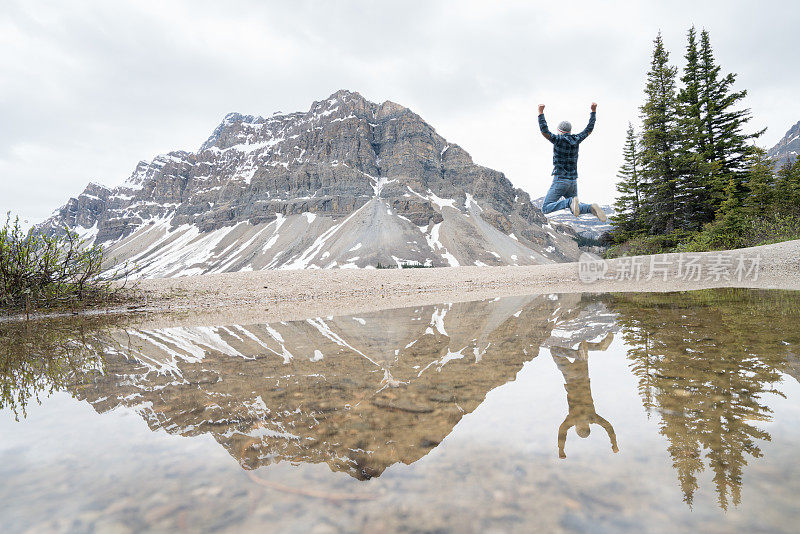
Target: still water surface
[638, 412]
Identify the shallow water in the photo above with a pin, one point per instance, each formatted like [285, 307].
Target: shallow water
[466, 417]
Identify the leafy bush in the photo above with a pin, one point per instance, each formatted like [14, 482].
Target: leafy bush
[724, 233]
[751, 232]
[771, 230]
[51, 270]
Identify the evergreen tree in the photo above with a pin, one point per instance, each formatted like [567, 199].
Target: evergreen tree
[694, 169]
[660, 143]
[724, 144]
[628, 219]
[760, 185]
[731, 221]
[787, 188]
[689, 95]
[694, 161]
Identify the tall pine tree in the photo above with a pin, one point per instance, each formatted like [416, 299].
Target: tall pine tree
[628, 218]
[660, 144]
[694, 169]
[724, 144]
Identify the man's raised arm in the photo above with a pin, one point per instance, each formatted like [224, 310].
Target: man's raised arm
[609, 430]
[589, 127]
[543, 124]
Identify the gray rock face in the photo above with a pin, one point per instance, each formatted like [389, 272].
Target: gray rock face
[86, 208]
[787, 148]
[262, 192]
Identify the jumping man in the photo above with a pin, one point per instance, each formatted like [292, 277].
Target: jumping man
[563, 193]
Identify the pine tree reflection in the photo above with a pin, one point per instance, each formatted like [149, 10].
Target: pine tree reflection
[705, 362]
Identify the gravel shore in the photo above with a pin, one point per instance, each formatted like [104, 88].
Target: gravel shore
[265, 296]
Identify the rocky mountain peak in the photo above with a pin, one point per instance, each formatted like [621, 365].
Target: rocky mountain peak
[348, 183]
[787, 149]
[390, 109]
[351, 101]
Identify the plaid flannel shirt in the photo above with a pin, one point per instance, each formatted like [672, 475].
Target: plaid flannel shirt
[565, 148]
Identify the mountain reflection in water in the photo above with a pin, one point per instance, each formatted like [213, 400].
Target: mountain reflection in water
[362, 393]
[358, 393]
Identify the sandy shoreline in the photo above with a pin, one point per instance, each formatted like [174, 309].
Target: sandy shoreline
[267, 296]
[264, 296]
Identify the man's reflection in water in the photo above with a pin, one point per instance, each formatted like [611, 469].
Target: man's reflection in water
[574, 365]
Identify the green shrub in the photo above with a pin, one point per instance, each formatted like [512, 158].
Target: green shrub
[404, 265]
[751, 232]
[771, 230]
[729, 231]
[51, 271]
[415, 265]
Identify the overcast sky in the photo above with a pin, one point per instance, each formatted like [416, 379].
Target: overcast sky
[87, 89]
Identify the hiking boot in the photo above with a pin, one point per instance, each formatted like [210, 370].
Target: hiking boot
[575, 206]
[598, 212]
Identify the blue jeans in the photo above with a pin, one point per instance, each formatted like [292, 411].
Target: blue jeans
[560, 194]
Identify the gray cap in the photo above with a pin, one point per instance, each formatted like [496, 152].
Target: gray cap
[565, 126]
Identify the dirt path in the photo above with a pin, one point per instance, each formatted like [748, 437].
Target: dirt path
[286, 295]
